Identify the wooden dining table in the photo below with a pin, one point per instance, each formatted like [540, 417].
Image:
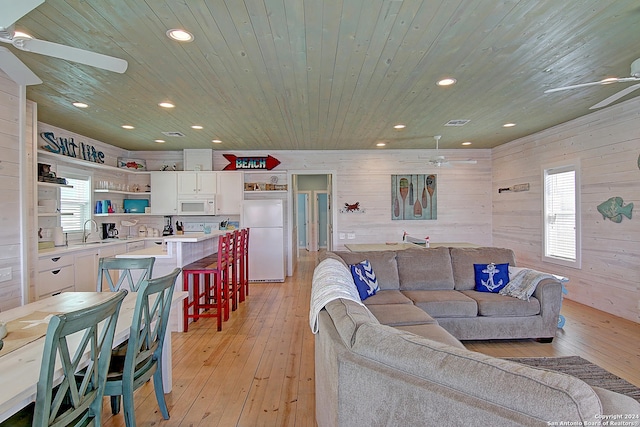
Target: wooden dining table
[20, 363]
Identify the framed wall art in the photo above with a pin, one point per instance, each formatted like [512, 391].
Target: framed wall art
[414, 197]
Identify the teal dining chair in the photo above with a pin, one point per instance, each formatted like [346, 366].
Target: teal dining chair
[77, 400]
[143, 357]
[114, 272]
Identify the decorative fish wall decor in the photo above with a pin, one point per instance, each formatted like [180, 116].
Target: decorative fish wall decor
[614, 209]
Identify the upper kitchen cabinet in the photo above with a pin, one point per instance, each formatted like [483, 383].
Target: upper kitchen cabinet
[197, 185]
[164, 193]
[229, 193]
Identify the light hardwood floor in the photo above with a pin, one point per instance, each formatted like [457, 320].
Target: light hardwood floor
[258, 371]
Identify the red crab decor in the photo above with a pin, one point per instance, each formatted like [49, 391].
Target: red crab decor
[351, 208]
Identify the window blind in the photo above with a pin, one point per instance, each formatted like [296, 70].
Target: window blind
[77, 201]
[560, 214]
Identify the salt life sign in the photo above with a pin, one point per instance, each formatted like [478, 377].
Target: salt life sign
[256, 163]
[68, 147]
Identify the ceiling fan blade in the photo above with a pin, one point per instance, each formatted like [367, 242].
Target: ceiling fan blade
[464, 162]
[16, 70]
[558, 89]
[69, 53]
[13, 10]
[615, 97]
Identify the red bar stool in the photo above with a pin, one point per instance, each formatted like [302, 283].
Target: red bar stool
[211, 293]
[235, 251]
[244, 264]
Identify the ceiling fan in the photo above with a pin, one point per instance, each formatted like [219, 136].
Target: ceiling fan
[635, 76]
[441, 161]
[12, 11]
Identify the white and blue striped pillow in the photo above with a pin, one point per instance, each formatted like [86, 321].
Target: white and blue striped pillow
[365, 279]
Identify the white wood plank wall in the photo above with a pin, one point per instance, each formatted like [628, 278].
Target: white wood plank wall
[10, 246]
[607, 144]
[464, 191]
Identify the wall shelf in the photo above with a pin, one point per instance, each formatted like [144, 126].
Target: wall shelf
[130, 193]
[52, 184]
[121, 214]
[42, 154]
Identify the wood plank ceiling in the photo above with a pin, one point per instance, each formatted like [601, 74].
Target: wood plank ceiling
[335, 74]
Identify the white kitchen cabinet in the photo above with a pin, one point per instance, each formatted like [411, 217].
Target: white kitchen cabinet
[86, 270]
[164, 193]
[197, 185]
[229, 193]
[55, 275]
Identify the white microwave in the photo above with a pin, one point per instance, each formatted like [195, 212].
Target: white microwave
[197, 207]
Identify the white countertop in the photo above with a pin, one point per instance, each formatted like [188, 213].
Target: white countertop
[194, 237]
[155, 252]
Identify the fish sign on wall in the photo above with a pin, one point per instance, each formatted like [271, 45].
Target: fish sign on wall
[614, 209]
[414, 197]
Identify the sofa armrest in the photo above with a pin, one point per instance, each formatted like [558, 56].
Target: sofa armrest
[549, 293]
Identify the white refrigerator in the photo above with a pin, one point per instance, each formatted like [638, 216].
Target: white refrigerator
[265, 219]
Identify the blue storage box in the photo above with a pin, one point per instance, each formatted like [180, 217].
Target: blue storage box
[135, 205]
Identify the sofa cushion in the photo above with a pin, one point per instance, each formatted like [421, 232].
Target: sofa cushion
[491, 277]
[364, 278]
[383, 263]
[462, 260]
[347, 316]
[387, 297]
[444, 303]
[492, 304]
[425, 269]
[433, 332]
[538, 393]
[400, 314]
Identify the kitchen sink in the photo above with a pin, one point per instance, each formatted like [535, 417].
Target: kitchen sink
[90, 243]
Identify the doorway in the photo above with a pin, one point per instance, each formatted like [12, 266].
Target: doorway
[311, 213]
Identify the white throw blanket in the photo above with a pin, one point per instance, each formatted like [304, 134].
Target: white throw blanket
[331, 280]
[524, 281]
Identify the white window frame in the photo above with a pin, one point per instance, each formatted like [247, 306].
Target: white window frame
[82, 175]
[550, 170]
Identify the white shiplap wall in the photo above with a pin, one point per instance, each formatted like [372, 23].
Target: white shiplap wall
[464, 191]
[10, 245]
[607, 145]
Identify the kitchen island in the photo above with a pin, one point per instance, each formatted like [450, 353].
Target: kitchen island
[178, 252]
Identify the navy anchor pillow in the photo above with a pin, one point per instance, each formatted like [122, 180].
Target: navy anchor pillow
[491, 277]
[365, 279]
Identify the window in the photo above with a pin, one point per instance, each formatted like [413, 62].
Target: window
[562, 215]
[76, 200]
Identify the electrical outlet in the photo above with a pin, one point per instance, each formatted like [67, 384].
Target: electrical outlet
[5, 274]
[351, 236]
[342, 236]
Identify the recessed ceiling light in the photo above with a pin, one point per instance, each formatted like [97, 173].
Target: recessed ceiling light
[508, 125]
[400, 126]
[21, 35]
[466, 143]
[80, 104]
[380, 144]
[216, 141]
[166, 105]
[446, 82]
[609, 80]
[196, 127]
[180, 35]
[159, 141]
[128, 127]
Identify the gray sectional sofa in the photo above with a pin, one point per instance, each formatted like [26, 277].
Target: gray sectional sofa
[412, 371]
[441, 281]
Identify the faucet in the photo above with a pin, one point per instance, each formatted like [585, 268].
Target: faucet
[85, 235]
